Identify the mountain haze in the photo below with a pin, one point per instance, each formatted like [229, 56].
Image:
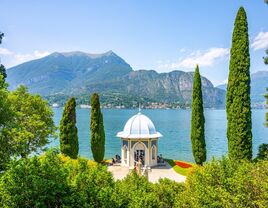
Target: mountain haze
[79, 73]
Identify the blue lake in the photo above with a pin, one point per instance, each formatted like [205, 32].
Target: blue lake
[173, 124]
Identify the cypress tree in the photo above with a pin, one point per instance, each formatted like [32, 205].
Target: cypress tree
[238, 92]
[68, 131]
[198, 121]
[97, 134]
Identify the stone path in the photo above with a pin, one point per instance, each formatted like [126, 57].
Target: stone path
[154, 175]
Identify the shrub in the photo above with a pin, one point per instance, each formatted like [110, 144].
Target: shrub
[227, 183]
[35, 182]
[135, 191]
[263, 152]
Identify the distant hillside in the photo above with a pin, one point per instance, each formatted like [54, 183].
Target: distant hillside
[78, 74]
[259, 83]
[63, 72]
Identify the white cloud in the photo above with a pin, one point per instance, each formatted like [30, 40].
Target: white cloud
[225, 81]
[41, 54]
[183, 50]
[260, 41]
[18, 58]
[202, 58]
[5, 52]
[27, 57]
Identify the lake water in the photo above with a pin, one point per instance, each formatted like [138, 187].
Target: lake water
[173, 124]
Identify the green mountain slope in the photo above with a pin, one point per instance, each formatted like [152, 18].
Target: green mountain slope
[60, 72]
[78, 74]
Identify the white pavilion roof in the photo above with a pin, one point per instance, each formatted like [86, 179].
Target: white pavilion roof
[139, 126]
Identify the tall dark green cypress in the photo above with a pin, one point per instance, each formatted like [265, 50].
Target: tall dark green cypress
[68, 131]
[198, 121]
[97, 134]
[238, 92]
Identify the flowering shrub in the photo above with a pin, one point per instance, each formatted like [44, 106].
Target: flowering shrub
[183, 164]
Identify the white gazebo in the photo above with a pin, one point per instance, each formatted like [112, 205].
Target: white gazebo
[139, 142]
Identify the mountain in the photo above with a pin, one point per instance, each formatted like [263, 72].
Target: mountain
[78, 74]
[259, 83]
[61, 72]
[160, 87]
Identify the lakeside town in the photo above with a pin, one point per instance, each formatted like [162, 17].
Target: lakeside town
[154, 105]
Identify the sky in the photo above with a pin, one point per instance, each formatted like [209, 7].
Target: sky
[163, 35]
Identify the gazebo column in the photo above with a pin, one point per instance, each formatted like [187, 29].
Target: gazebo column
[149, 152]
[128, 153]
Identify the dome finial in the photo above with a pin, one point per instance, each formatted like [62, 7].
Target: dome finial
[139, 107]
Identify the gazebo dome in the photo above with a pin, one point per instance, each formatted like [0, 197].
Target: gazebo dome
[139, 126]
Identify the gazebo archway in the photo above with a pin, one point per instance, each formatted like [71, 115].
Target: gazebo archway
[139, 152]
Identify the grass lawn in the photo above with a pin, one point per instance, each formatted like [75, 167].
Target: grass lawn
[178, 169]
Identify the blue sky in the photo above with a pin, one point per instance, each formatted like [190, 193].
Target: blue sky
[153, 34]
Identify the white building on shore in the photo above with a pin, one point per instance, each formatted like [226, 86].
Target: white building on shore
[139, 141]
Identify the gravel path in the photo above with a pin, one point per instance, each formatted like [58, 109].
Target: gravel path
[154, 175]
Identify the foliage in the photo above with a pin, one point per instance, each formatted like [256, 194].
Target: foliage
[3, 71]
[1, 36]
[68, 130]
[167, 191]
[135, 191]
[35, 182]
[178, 169]
[238, 92]
[198, 121]
[54, 180]
[266, 58]
[6, 117]
[32, 123]
[263, 152]
[2, 67]
[226, 183]
[97, 129]
[92, 186]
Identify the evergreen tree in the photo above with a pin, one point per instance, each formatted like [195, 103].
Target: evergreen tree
[3, 72]
[2, 67]
[238, 92]
[68, 132]
[97, 133]
[266, 58]
[198, 121]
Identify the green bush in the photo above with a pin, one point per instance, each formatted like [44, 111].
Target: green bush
[91, 186]
[167, 191]
[135, 191]
[54, 180]
[227, 183]
[35, 182]
[263, 152]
